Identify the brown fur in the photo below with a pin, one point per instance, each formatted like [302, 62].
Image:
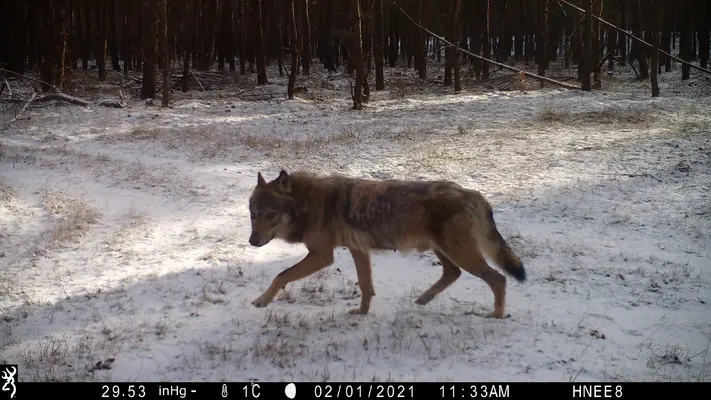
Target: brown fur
[323, 213]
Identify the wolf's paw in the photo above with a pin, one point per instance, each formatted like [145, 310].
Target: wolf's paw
[498, 315]
[261, 302]
[357, 311]
[424, 299]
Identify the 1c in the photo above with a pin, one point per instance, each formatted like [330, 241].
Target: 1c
[251, 390]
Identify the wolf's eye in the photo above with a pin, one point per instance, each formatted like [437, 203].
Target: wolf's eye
[269, 214]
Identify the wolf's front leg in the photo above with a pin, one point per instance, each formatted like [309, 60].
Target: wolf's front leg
[365, 280]
[313, 262]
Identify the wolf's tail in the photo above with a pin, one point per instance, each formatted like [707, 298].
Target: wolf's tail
[495, 247]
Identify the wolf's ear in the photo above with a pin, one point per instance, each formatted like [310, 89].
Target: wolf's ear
[260, 179]
[284, 182]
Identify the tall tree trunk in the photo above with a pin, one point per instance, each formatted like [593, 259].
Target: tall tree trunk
[420, 60]
[656, 24]
[305, 37]
[541, 46]
[586, 59]
[102, 39]
[113, 19]
[486, 40]
[379, 46]
[703, 31]
[293, 41]
[258, 41]
[639, 51]
[449, 51]
[126, 38]
[356, 53]
[242, 38]
[164, 52]
[685, 47]
[596, 45]
[622, 44]
[394, 13]
[150, 69]
[367, 43]
[456, 6]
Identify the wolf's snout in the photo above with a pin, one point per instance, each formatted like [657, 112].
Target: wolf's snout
[254, 239]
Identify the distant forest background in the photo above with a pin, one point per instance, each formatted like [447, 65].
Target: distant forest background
[53, 38]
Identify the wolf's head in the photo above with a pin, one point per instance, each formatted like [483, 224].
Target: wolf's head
[271, 208]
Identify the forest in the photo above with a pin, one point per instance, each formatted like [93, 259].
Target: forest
[55, 37]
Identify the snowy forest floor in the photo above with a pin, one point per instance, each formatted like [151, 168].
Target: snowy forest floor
[124, 253]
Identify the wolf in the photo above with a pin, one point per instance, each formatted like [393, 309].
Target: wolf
[325, 212]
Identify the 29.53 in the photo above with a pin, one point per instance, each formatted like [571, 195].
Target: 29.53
[474, 391]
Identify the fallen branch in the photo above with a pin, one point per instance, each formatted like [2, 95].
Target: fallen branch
[534, 76]
[8, 86]
[64, 97]
[40, 81]
[24, 108]
[628, 34]
[198, 81]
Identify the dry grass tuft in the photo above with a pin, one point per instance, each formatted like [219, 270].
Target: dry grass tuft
[596, 117]
[6, 193]
[74, 217]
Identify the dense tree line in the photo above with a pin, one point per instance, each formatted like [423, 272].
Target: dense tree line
[54, 37]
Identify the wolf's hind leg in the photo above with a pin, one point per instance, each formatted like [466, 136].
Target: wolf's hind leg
[450, 273]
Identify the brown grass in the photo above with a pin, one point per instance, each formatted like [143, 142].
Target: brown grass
[596, 117]
[74, 217]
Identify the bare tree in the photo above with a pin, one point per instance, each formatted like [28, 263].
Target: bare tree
[656, 24]
[258, 41]
[165, 58]
[293, 41]
[586, 59]
[356, 53]
[150, 53]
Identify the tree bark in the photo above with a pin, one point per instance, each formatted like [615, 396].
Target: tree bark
[586, 59]
[656, 24]
[379, 46]
[164, 52]
[456, 6]
[258, 41]
[356, 53]
[486, 40]
[685, 47]
[150, 68]
[305, 37]
[541, 50]
[293, 41]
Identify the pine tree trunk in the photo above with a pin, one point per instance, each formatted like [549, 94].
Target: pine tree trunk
[258, 41]
[685, 47]
[305, 37]
[150, 71]
[541, 51]
[379, 46]
[164, 52]
[586, 59]
[367, 43]
[640, 51]
[102, 40]
[293, 41]
[356, 52]
[656, 24]
[486, 41]
[455, 40]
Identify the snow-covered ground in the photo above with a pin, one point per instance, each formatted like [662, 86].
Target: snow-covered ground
[124, 253]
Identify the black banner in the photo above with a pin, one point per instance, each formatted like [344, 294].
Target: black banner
[352, 390]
